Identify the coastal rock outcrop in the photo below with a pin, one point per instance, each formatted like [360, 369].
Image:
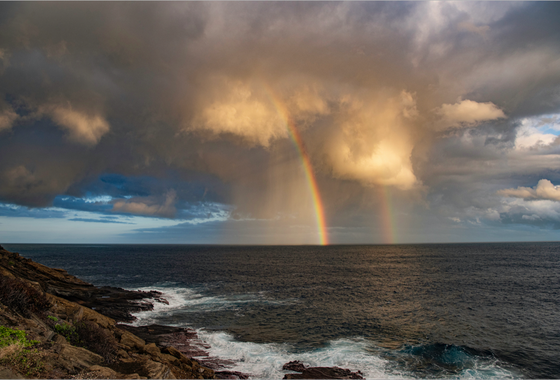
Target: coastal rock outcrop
[49, 331]
[318, 372]
[112, 302]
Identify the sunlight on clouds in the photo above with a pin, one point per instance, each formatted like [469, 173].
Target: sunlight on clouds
[243, 110]
[82, 128]
[373, 145]
[466, 113]
[150, 206]
[544, 190]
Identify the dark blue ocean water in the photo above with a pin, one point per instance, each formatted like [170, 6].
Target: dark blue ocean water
[403, 311]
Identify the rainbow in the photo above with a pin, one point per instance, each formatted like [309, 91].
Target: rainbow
[308, 169]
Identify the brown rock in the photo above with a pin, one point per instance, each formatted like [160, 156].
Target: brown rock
[158, 370]
[7, 373]
[102, 372]
[132, 341]
[295, 365]
[77, 358]
[152, 349]
[325, 373]
[134, 376]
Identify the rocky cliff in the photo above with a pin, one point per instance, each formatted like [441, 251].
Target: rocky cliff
[54, 325]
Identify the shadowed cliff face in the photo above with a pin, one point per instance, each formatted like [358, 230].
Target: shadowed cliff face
[69, 339]
[116, 303]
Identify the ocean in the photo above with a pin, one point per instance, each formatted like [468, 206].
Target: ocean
[452, 311]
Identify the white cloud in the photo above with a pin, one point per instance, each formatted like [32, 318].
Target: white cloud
[535, 133]
[150, 206]
[544, 190]
[467, 113]
[81, 127]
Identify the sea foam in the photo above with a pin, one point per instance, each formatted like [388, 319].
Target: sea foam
[265, 360]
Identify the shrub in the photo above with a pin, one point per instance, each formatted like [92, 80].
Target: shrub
[10, 336]
[26, 361]
[21, 297]
[69, 332]
[13, 352]
[89, 335]
[96, 339]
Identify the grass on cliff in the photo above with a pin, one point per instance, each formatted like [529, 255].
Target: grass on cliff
[15, 352]
[21, 297]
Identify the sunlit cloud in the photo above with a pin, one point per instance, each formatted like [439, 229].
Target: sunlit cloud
[544, 190]
[451, 107]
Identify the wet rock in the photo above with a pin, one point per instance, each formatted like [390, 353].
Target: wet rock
[231, 375]
[295, 365]
[323, 373]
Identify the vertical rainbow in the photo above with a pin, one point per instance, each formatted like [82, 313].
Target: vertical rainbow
[308, 169]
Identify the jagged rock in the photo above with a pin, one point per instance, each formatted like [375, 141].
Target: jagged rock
[103, 372]
[130, 358]
[134, 376]
[132, 341]
[152, 349]
[231, 375]
[78, 358]
[115, 303]
[324, 373]
[157, 370]
[295, 365]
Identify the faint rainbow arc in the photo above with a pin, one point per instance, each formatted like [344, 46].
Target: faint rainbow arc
[307, 168]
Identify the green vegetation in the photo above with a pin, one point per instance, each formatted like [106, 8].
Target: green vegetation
[25, 361]
[52, 318]
[69, 332]
[10, 336]
[13, 352]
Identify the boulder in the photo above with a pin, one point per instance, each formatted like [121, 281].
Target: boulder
[324, 373]
[132, 341]
[78, 358]
[152, 349]
[158, 370]
[102, 372]
[295, 365]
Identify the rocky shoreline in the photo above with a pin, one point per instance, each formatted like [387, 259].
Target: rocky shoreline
[73, 329]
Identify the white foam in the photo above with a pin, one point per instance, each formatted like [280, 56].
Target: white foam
[187, 300]
[262, 360]
[265, 360]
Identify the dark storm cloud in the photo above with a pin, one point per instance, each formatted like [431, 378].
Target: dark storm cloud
[167, 107]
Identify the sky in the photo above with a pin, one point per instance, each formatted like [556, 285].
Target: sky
[279, 122]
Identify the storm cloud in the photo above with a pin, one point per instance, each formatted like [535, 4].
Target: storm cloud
[444, 110]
